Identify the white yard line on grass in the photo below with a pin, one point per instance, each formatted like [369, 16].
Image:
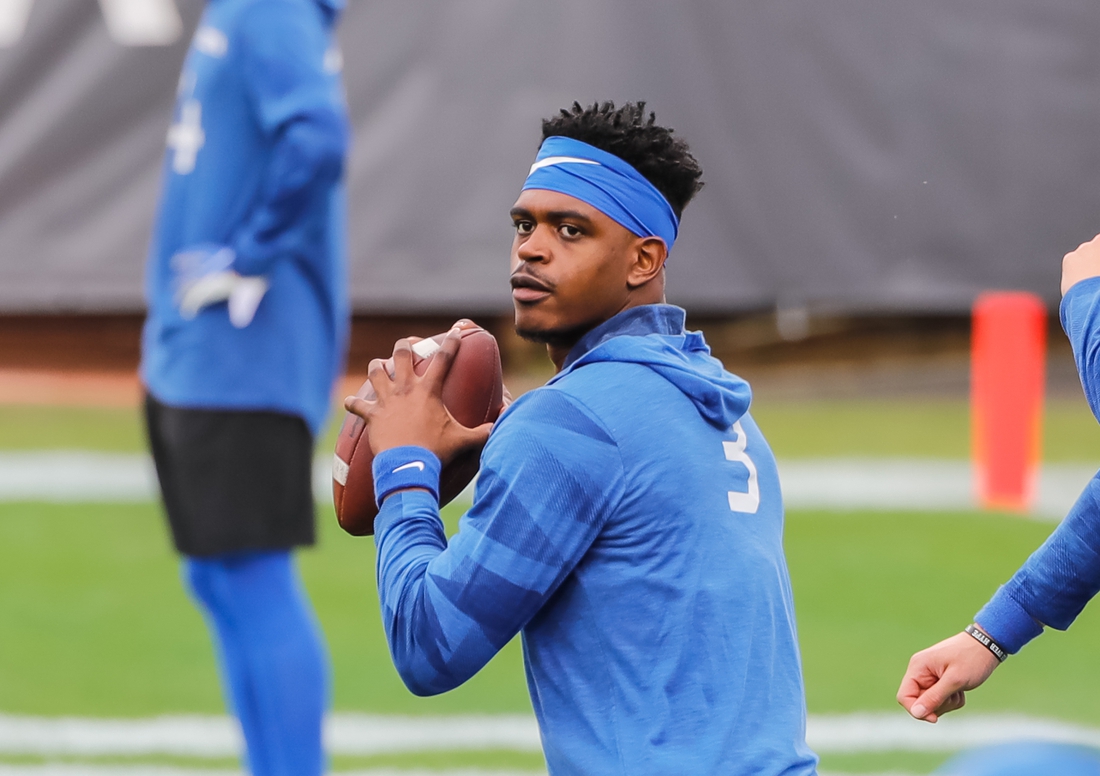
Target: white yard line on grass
[881, 732]
[209, 736]
[366, 734]
[825, 483]
[62, 476]
[86, 476]
[918, 484]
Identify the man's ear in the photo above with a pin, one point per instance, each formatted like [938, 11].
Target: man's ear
[649, 259]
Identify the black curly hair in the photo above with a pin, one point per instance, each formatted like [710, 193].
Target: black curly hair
[629, 134]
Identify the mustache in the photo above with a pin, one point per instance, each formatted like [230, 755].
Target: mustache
[527, 279]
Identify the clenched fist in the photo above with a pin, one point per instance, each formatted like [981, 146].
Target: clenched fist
[938, 677]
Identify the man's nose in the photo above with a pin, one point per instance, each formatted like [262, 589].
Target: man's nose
[537, 245]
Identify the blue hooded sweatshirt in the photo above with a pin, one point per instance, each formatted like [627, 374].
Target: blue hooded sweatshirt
[255, 162]
[1063, 575]
[628, 521]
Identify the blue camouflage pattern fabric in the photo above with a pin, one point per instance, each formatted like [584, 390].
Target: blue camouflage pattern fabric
[627, 522]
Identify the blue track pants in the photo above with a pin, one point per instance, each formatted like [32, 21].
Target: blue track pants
[271, 653]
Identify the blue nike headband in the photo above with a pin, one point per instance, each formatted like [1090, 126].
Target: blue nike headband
[605, 182]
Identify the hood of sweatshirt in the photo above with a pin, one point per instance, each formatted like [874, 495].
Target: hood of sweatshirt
[332, 8]
[654, 336]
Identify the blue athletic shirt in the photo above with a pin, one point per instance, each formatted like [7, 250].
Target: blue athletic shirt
[1063, 575]
[628, 521]
[255, 162]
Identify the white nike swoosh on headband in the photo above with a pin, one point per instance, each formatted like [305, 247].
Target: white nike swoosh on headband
[414, 465]
[550, 161]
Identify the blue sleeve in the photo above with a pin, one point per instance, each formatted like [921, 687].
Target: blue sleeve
[1055, 583]
[300, 106]
[1063, 575]
[550, 476]
[1080, 313]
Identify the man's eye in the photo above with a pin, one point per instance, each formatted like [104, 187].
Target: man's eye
[568, 230]
[523, 227]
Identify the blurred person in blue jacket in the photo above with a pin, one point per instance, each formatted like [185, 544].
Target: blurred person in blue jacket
[246, 332]
[627, 519]
[1061, 577]
[1024, 758]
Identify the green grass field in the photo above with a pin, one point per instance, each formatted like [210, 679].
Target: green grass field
[94, 622]
[887, 427]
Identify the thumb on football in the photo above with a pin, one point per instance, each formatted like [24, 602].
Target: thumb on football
[462, 439]
[357, 406]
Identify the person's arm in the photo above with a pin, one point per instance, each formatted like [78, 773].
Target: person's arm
[1055, 583]
[1063, 575]
[300, 106]
[1080, 313]
[550, 475]
[1059, 578]
[1050, 589]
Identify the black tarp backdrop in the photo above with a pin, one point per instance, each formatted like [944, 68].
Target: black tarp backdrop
[860, 155]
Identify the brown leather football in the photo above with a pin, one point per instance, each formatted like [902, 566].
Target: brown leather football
[473, 392]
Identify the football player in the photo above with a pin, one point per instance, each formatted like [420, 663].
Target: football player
[627, 520]
[246, 332]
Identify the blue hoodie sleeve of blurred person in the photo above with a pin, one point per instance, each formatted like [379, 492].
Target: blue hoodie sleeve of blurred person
[1063, 575]
[293, 103]
[252, 181]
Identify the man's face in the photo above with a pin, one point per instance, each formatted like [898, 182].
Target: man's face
[570, 267]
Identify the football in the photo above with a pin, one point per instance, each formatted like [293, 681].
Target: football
[473, 392]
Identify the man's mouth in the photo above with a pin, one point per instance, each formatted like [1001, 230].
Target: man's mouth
[527, 289]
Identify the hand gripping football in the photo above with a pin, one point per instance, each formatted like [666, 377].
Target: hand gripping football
[473, 392]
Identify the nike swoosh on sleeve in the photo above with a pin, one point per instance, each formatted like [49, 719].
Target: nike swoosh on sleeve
[414, 465]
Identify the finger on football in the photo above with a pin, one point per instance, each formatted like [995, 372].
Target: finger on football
[441, 361]
[402, 360]
[478, 435]
[357, 406]
[379, 376]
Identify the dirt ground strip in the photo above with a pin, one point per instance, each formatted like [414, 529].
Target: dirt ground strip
[92, 360]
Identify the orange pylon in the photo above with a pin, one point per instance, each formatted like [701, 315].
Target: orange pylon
[1007, 377]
